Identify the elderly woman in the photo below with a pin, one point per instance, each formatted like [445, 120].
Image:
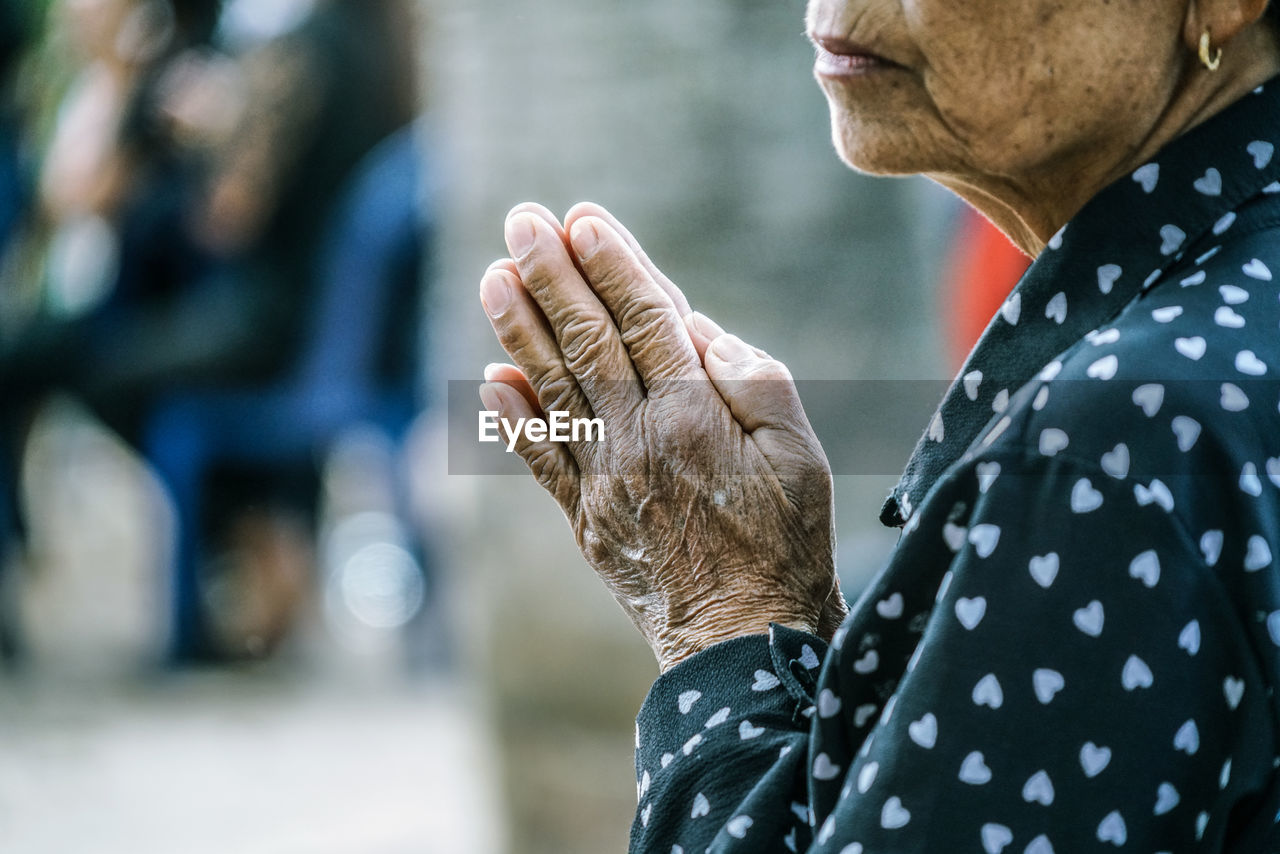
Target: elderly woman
[1076, 643]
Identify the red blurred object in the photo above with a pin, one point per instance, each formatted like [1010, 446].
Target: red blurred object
[982, 268]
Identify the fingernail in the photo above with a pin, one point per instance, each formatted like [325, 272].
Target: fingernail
[585, 239]
[490, 398]
[520, 235]
[495, 293]
[704, 325]
[731, 348]
[491, 371]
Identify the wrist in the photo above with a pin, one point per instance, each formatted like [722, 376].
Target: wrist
[716, 625]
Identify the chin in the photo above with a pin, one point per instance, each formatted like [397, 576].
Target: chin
[888, 145]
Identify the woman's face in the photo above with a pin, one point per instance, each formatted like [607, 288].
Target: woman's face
[1002, 88]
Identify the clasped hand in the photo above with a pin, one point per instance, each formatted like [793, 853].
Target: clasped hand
[706, 508]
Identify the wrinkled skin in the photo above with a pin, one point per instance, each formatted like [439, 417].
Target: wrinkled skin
[707, 509]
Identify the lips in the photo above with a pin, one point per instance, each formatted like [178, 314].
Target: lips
[838, 57]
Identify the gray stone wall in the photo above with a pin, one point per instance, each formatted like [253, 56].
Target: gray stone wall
[699, 125]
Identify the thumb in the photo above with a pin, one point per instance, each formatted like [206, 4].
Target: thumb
[762, 396]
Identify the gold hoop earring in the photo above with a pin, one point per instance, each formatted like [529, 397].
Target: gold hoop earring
[1209, 62]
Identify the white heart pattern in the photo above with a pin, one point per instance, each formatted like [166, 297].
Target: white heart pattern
[1094, 759]
[1053, 440]
[1187, 738]
[1146, 568]
[824, 768]
[1044, 569]
[1209, 184]
[1189, 637]
[1113, 830]
[1261, 151]
[1211, 546]
[687, 699]
[890, 608]
[1227, 318]
[984, 539]
[971, 611]
[1148, 176]
[971, 381]
[1056, 310]
[1149, 397]
[1012, 309]
[1136, 674]
[974, 770]
[1233, 690]
[1186, 430]
[1258, 554]
[1090, 619]
[1250, 483]
[1233, 294]
[987, 473]
[1047, 683]
[867, 776]
[1255, 269]
[995, 837]
[1233, 398]
[1166, 799]
[988, 692]
[718, 718]
[1193, 347]
[701, 806]
[738, 826]
[1116, 461]
[894, 815]
[764, 681]
[1171, 238]
[924, 732]
[1084, 498]
[1038, 789]
[1248, 363]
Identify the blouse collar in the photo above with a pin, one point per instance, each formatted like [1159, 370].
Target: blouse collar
[1122, 242]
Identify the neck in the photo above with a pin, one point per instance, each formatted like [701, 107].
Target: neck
[1031, 208]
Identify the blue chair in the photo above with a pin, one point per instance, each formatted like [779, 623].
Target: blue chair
[352, 370]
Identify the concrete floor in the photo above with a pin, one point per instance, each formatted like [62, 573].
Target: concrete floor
[329, 749]
[247, 763]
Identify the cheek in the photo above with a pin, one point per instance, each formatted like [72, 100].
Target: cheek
[1013, 103]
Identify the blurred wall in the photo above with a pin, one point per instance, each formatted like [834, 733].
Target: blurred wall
[700, 126]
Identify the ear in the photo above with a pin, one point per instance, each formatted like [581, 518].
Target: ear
[1224, 19]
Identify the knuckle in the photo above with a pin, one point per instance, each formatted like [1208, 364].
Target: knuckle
[555, 386]
[584, 341]
[643, 319]
[609, 270]
[543, 461]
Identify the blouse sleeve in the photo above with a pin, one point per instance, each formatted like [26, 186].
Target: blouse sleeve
[1080, 682]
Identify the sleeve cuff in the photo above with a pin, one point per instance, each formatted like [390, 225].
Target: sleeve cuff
[767, 678]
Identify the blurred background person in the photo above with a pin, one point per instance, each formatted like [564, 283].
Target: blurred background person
[189, 200]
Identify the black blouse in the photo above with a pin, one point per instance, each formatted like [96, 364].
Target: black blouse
[1075, 644]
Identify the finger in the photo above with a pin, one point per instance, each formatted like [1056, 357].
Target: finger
[763, 399]
[584, 331]
[649, 323]
[498, 372]
[702, 331]
[523, 332]
[585, 209]
[552, 465]
[545, 214]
